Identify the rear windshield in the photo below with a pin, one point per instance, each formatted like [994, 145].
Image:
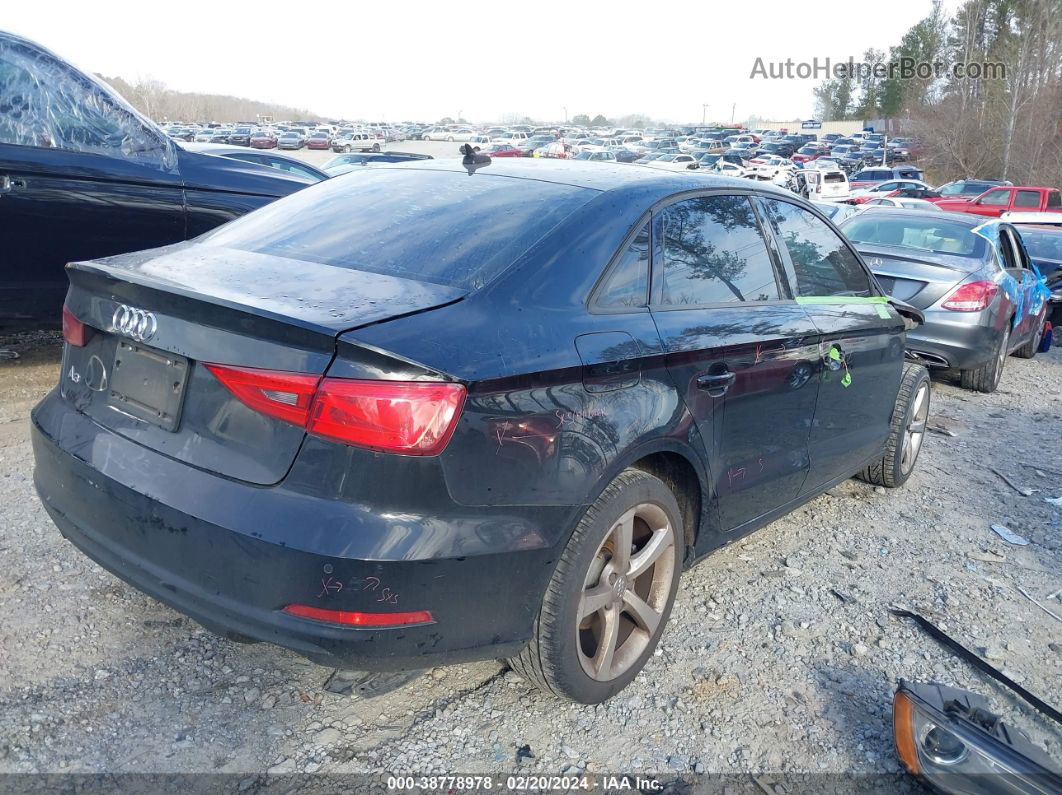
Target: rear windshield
[924, 234]
[433, 226]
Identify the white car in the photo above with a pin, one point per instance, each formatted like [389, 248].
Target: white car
[728, 169]
[445, 134]
[513, 138]
[827, 184]
[478, 142]
[772, 166]
[909, 204]
[889, 186]
[1031, 218]
[678, 162]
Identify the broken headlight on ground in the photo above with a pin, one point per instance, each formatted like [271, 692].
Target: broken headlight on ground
[952, 741]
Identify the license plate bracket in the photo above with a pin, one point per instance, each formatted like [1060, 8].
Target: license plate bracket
[148, 384]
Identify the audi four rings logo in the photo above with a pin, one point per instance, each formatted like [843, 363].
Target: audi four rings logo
[136, 323]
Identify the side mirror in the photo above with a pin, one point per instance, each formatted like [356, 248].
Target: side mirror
[912, 316]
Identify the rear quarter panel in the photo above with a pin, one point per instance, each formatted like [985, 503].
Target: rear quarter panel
[536, 428]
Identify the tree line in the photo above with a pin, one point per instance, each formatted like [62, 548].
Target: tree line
[1006, 123]
[161, 103]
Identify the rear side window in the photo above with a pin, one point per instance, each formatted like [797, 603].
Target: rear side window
[627, 284]
[822, 261]
[1054, 199]
[1027, 198]
[435, 226]
[713, 252]
[47, 104]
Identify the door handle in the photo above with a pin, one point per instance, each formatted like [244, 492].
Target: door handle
[716, 384]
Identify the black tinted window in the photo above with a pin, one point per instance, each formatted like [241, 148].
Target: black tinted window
[628, 282]
[434, 226]
[713, 252]
[823, 263]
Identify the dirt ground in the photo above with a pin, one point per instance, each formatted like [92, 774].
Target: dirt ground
[780, 657]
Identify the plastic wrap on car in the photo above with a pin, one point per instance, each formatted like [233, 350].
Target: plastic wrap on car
[1008, 284]
[47, 103]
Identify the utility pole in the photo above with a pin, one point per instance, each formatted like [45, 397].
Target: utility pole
[704, 114]
[565, 113]
[733, 110]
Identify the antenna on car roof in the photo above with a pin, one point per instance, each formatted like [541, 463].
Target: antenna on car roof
[473, 159]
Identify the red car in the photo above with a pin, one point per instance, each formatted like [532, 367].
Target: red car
[263, 140]
[806, 153]
[503, 150]
[319, 140]
[996, 201]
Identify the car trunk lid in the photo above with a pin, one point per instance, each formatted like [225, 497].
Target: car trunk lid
[157, 318]
[915, 279]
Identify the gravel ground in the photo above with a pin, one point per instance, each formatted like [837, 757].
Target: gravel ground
[762, 668]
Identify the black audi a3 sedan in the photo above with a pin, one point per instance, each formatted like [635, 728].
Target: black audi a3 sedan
[418, 416]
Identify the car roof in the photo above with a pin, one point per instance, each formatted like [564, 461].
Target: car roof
[597, 176]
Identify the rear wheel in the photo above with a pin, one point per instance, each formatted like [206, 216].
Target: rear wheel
[376, 147]
[1030, 348]
[907, 432]
[986, 377]
[611, 594]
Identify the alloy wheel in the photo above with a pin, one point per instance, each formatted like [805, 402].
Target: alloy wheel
[915, 431]
[625, 592]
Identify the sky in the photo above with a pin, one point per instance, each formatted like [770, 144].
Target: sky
[421, 61]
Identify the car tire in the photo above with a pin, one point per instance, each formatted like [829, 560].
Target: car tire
[346, 149]
[376, 147]
[450, 139]
[986, 377]
[907, 431]
[1030, 348]
[588, 599]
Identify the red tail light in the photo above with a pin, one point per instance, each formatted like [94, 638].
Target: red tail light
[74, 331]
[407, 417]
[971, 297]
[284, 396]
[410, 417]
[360, 619]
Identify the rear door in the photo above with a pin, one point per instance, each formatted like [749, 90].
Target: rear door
[1028, 315]
[740, 350]
[80, 177]
[1027, 200]
[860, 346]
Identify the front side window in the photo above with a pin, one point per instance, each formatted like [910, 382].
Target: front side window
[823, 263]
[713, 252]
[997, 198]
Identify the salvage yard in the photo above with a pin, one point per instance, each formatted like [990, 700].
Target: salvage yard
[781, 655]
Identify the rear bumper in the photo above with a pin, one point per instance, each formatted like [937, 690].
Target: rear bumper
[237, 583]
[959, 340]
